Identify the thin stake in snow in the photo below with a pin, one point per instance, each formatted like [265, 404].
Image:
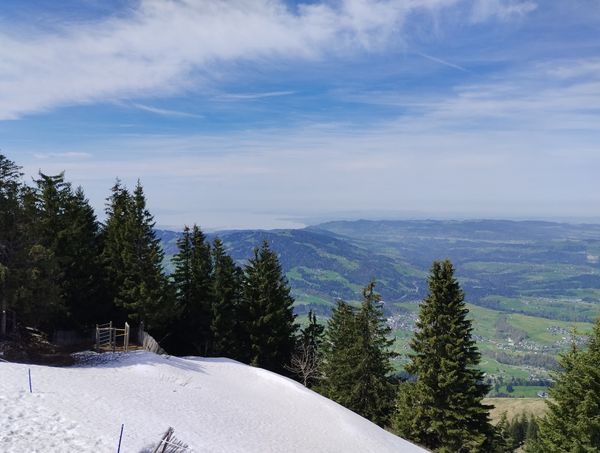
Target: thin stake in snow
[120, 437]
[30, 390]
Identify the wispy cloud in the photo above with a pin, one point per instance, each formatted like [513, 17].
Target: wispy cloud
[502, 9]
[252, 96]
[166, 112]
[164, 47]
[442, 62]
[68, 155]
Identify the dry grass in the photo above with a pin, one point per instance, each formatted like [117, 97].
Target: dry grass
[515, 406]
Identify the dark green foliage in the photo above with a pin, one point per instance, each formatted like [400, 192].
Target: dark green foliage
[532, 434]
[34, 256]
[10, 235]
[572, 423]
[339, 354]
[226, 288]
[132, 259]
[357, 357]
[194, 293]
[448, 414]
[372, 391]
[269, 325]
[311, 336]
[511, 435]
[61, 250]
[503, 441]
[81, 284]
[306, 360]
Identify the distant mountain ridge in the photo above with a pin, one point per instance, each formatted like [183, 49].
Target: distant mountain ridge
[494, 258]
[529, 284]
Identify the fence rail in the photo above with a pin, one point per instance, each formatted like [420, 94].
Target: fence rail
[106, 337]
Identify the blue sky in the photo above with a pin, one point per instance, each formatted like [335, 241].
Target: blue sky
[238, 114]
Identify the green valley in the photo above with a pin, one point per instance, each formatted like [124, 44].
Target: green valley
[531, 286]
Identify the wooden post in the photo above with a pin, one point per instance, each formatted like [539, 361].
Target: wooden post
[97, 338]
[126, 339]
[111, 340]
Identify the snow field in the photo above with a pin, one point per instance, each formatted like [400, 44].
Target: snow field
[214, 405]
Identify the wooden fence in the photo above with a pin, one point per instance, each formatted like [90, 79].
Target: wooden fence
[148, 342]
[106, 337]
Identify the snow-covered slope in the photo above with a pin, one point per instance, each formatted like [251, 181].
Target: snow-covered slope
[215, 405]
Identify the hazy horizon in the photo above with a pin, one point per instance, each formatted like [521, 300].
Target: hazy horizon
[267, 113]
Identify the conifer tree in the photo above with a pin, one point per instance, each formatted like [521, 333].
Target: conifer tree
[532, 435]
[340, 354]
[357, 359]
[312, 334]
[448, 413]
[65, 224]
[306, 360]
[45, 257]
[269, 318]
[503, 439]
[10, 237]
[226, 288]
[193, 285]
[572, 423]
[82, 283]
[133, 258]
[372, 392]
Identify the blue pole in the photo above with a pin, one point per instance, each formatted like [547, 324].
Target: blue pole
[30, 391]
[120, 437]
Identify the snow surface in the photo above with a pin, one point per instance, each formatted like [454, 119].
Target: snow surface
[214, 405]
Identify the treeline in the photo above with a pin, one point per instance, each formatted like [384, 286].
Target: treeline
[545, 361]
[62, 269]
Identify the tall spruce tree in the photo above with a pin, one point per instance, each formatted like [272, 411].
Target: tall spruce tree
[192, 278]
[357, 358]
[269, 315]
[372, 392]
[226, 288]
[10, 235]
[445, 411]
[340, 354]
[41, 293]
[65, 224]
[133, 258]
[572, 423]
[82, 281]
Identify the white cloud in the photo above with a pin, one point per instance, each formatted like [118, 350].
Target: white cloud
[167, 46]
[502, 9]
[253, 96]
[165, 112]
[67, 155]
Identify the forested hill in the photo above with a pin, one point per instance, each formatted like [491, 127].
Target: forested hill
[539, 268]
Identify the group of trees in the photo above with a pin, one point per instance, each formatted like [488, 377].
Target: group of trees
[62, 269]
[512, 434]
[224, 310]
[356, 359]
[50, 252]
